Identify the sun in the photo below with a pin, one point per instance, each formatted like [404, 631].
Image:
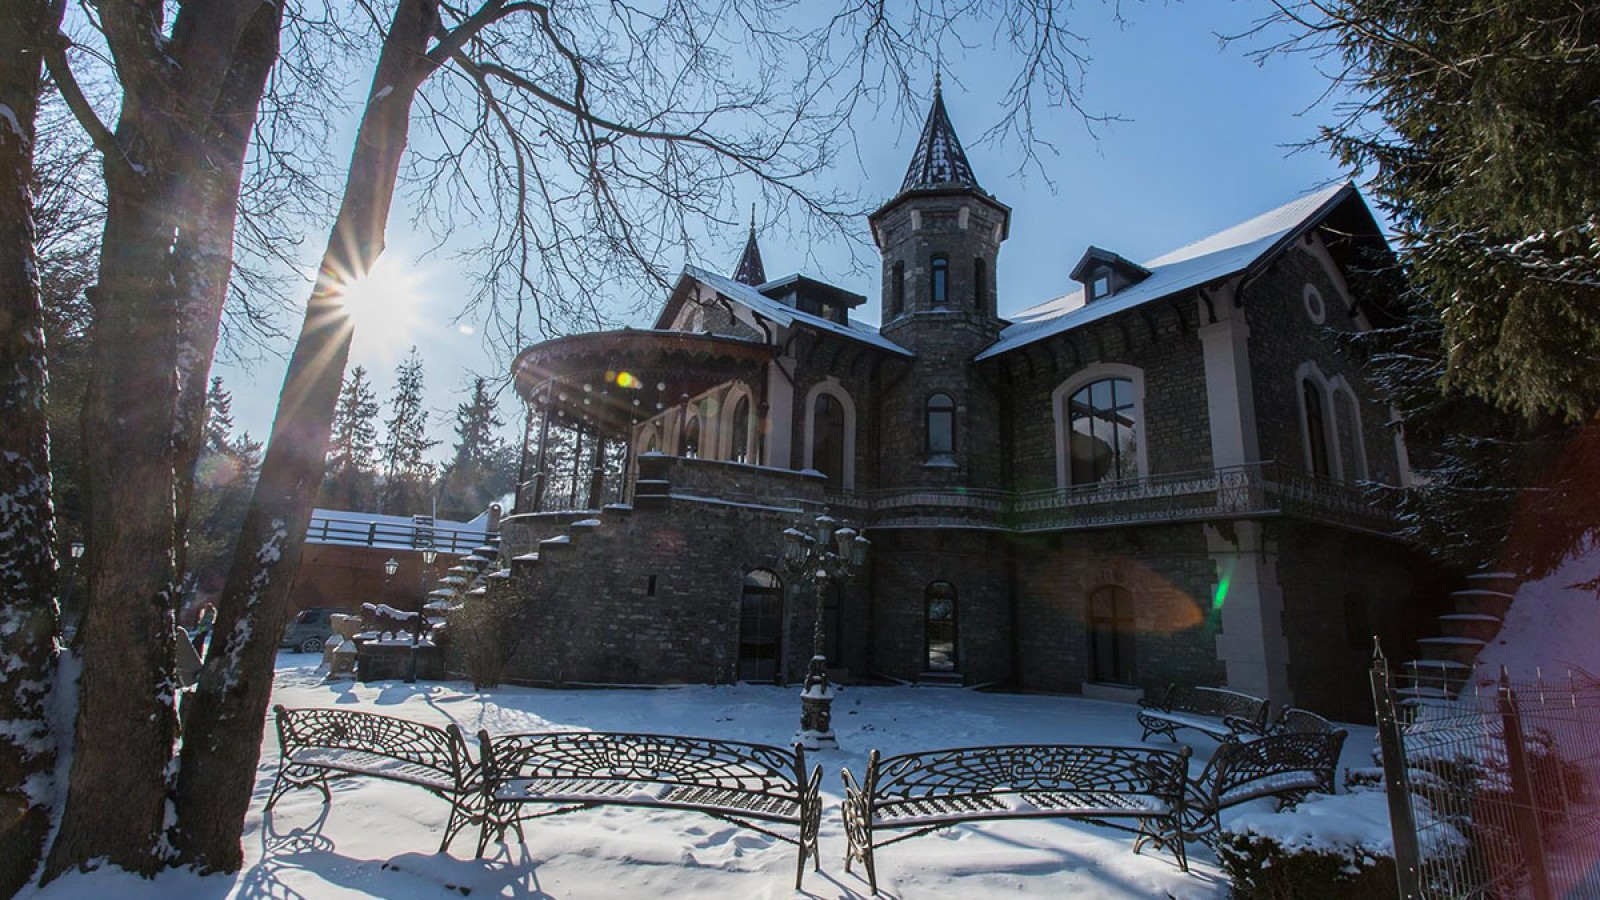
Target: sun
[385, 308]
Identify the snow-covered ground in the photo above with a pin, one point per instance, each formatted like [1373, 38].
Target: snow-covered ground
[378, 839]
[1553, 624]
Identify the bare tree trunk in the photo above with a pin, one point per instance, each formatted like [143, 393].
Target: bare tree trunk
[153, 166]
[29, 618]
[218, 762]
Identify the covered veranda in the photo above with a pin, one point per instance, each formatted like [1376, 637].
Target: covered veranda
[586, 395]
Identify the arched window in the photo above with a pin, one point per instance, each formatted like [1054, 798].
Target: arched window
[760, 626]
[1352, 445]
[1316, 428]
[739, 444]
[941, 280]
[689, 443]
[1103, 430]
[941, 425]
[980, 284]
[1111, 633]
[939, 626]
[897, 288]
[827, 438]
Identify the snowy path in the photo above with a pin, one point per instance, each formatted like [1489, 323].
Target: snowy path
[377, 839]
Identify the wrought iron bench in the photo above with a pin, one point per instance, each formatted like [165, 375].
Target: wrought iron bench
[1294, 720]
[1220, 713]
[318, 745]
[751, 785]
[923, 792]
[1288, 766]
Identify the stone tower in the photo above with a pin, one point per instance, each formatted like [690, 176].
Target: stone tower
[940, 241]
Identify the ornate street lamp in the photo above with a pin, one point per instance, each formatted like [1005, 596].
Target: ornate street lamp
[833, 552]
[428, 556]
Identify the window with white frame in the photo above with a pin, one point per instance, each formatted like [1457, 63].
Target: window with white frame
[1103, 423]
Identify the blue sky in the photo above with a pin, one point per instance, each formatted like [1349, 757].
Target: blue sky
[1206, 140]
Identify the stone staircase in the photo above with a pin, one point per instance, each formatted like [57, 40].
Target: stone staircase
[1446, 662]
[462, 580]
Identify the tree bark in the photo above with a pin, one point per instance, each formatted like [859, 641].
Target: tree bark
[126, 701]
[29, 619]
[227, 719]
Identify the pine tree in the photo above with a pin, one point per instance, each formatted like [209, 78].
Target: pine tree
[1478, 119]
[352, 447]
[219, 417]
[408, 476]
[482, 467]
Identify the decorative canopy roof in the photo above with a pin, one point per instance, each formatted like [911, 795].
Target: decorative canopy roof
[615, 378]
[939, 161]
[749, 269]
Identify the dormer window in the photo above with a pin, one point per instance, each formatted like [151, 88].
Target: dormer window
[1103, 273]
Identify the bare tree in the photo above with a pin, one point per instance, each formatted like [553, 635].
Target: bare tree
[29, 618]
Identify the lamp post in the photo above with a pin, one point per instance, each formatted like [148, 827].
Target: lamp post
[428, 556]
[831, 552]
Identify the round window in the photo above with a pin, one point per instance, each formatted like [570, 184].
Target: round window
[1314, 306]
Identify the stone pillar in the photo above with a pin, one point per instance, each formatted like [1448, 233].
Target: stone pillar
[1230, 394]
[1250, 643]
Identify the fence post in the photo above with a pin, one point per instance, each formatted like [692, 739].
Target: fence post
[1396, 779]
[1525, 813]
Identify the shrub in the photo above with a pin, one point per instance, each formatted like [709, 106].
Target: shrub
[1260, 868]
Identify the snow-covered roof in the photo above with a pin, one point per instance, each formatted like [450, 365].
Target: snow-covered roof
[768, 308]
[1220, 255]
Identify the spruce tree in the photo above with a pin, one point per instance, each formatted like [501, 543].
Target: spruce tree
[352, 447]
[408, 476]
[219, 417]
[482, 467]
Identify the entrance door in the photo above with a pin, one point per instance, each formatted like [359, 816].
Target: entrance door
[760, 626]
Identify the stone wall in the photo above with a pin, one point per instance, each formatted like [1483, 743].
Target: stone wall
[905, 564]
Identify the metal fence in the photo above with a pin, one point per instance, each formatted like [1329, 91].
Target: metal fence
[1496, 792]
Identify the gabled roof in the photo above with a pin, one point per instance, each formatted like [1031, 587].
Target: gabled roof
[749, 269]
[939, 160]
[752, 299]
[1221, 255]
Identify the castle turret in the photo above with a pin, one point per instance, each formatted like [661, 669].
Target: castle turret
[940, 238]
[940, 235]
[749, 269]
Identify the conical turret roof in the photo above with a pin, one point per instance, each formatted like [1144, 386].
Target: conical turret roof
[939, 160]
[749, 269]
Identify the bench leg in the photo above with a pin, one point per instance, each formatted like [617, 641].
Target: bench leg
[1171, 839]
[292, 776]
[462, 811]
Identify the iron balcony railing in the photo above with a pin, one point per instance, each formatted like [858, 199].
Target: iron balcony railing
[1253, 490]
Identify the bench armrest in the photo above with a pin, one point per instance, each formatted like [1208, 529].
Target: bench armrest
[1241, 725]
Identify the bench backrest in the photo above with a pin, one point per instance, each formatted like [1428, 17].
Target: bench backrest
[1278, 763]
[1050, 767]
[648, 758]
[441, 749]
[1294, 720]
[1211, 701]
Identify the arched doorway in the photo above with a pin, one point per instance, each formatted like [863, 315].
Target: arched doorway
[760, 626]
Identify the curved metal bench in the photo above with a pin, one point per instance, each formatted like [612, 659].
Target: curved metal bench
[750, 785]
[923, 792]
[1287, 766]
[1218, 712]
[317, 745]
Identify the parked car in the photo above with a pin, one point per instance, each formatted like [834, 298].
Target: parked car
[310, 629]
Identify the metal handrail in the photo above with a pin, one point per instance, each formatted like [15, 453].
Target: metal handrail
[444, 538]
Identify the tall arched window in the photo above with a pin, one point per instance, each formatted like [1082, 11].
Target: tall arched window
[939, 626]
[1316, 428]
[980, 283]
[689, 443]
[760, 626]
[1103, 429]
[827, 438]
[897, 288]
[739, 445]
[1111, 633]
[941, 425]
[941, 280]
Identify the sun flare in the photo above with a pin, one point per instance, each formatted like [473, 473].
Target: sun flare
[385, 307]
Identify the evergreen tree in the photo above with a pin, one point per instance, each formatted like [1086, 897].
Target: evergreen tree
[408, 476]
[1479, 121]
[483, 466]
[350, 482]
[219, 417]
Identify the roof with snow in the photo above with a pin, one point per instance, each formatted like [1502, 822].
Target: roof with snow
[1221, 255]
[939, 160]
[751, 298]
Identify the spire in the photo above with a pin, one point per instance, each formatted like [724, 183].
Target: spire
[749, 269]
[939, 160]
